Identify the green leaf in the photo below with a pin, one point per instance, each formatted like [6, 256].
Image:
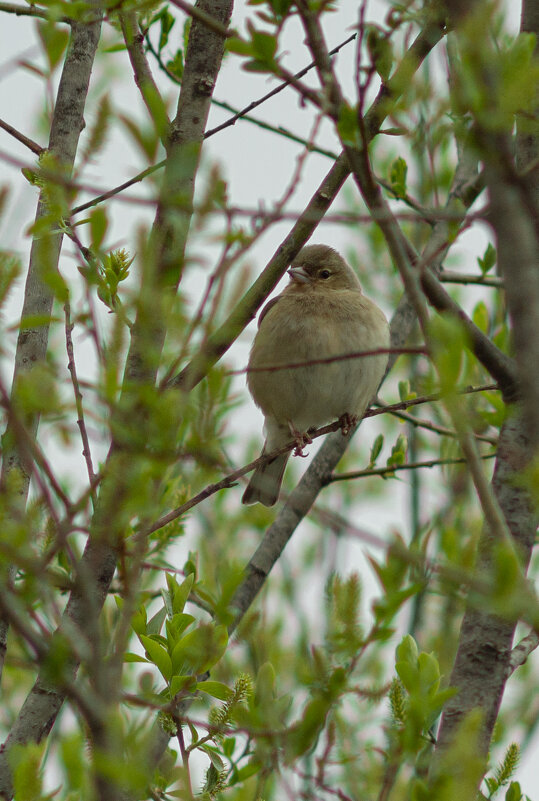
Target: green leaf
[216, 689]
[158, 656]
[377, 446]
[129, 657]
[25, 762]
[304, 735]
[244, 773]
[156, 622]
[167, 23]
[176, 64]
[138, 622]
[347, 125]
[200, 649]
[239, 46]
[487, 262]
[407, 650]
[265, 685]
[397, 177]
[98, 227]
[381, 51]
[177, 625]
[408, 675]
[264, 46]
[513, 793]
[216, 760]
[429, 671]
[398, 452]
[180, 684]
[181, 593]
[448, 339]
[54, 39]
[480, 317]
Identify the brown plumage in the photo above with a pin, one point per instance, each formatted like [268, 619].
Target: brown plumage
[322, 313]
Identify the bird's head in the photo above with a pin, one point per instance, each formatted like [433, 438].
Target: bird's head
[319, 267]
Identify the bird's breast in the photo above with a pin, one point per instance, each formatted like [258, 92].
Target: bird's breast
[307, 345]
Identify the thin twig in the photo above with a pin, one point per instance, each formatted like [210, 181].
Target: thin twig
[390, 469]
[446, 432]
[461, 278]
[151, 97]
[22, 138]
[206, 19]
[28, 11]
[71, 366]
[360, 354]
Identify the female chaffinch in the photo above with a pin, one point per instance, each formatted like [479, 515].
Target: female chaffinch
[321, 314]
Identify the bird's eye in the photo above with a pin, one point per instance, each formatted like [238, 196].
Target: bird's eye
[325, 273]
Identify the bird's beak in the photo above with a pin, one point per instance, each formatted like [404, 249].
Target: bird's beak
[299, 275]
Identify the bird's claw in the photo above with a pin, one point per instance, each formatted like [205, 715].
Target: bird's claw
[301, 438]
[347, 421]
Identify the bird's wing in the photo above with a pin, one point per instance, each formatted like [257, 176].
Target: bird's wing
[269, 305]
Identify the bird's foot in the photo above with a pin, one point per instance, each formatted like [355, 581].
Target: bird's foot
[301, 438]
[347, 421]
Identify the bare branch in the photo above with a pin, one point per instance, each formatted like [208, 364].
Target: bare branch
[71, 366]
[20, 137]
[522, 651]
[206, 19]
[390, 469]
[153, 101]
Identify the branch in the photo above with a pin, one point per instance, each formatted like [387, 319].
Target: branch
[230, 480]
[255, 103]
[436, 429]
[67, 123]
[522, 651]
[484, 659]
[231, 121]
[28, 11]
[72, 367]
[96, 568]
[20, 137]
[390, 469]
[207, 20]
[460, 278]
[153, 101]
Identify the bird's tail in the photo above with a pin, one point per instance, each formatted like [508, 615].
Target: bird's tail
[266, 481]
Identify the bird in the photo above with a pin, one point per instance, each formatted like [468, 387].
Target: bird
[321, 315]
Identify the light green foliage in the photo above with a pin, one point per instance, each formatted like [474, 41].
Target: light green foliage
[392, 575]
[462, 766]
[448, 341]
[420, 677]
[10, 268]
[26, 765]
[495, 85]
[487, 261]
[377, 446]
[380, 51]
[260, 48]
[344, 635]
[397, 177]
[347, 126]
[54, 40]
[114, 270]
[99, 129]
[504, 772]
